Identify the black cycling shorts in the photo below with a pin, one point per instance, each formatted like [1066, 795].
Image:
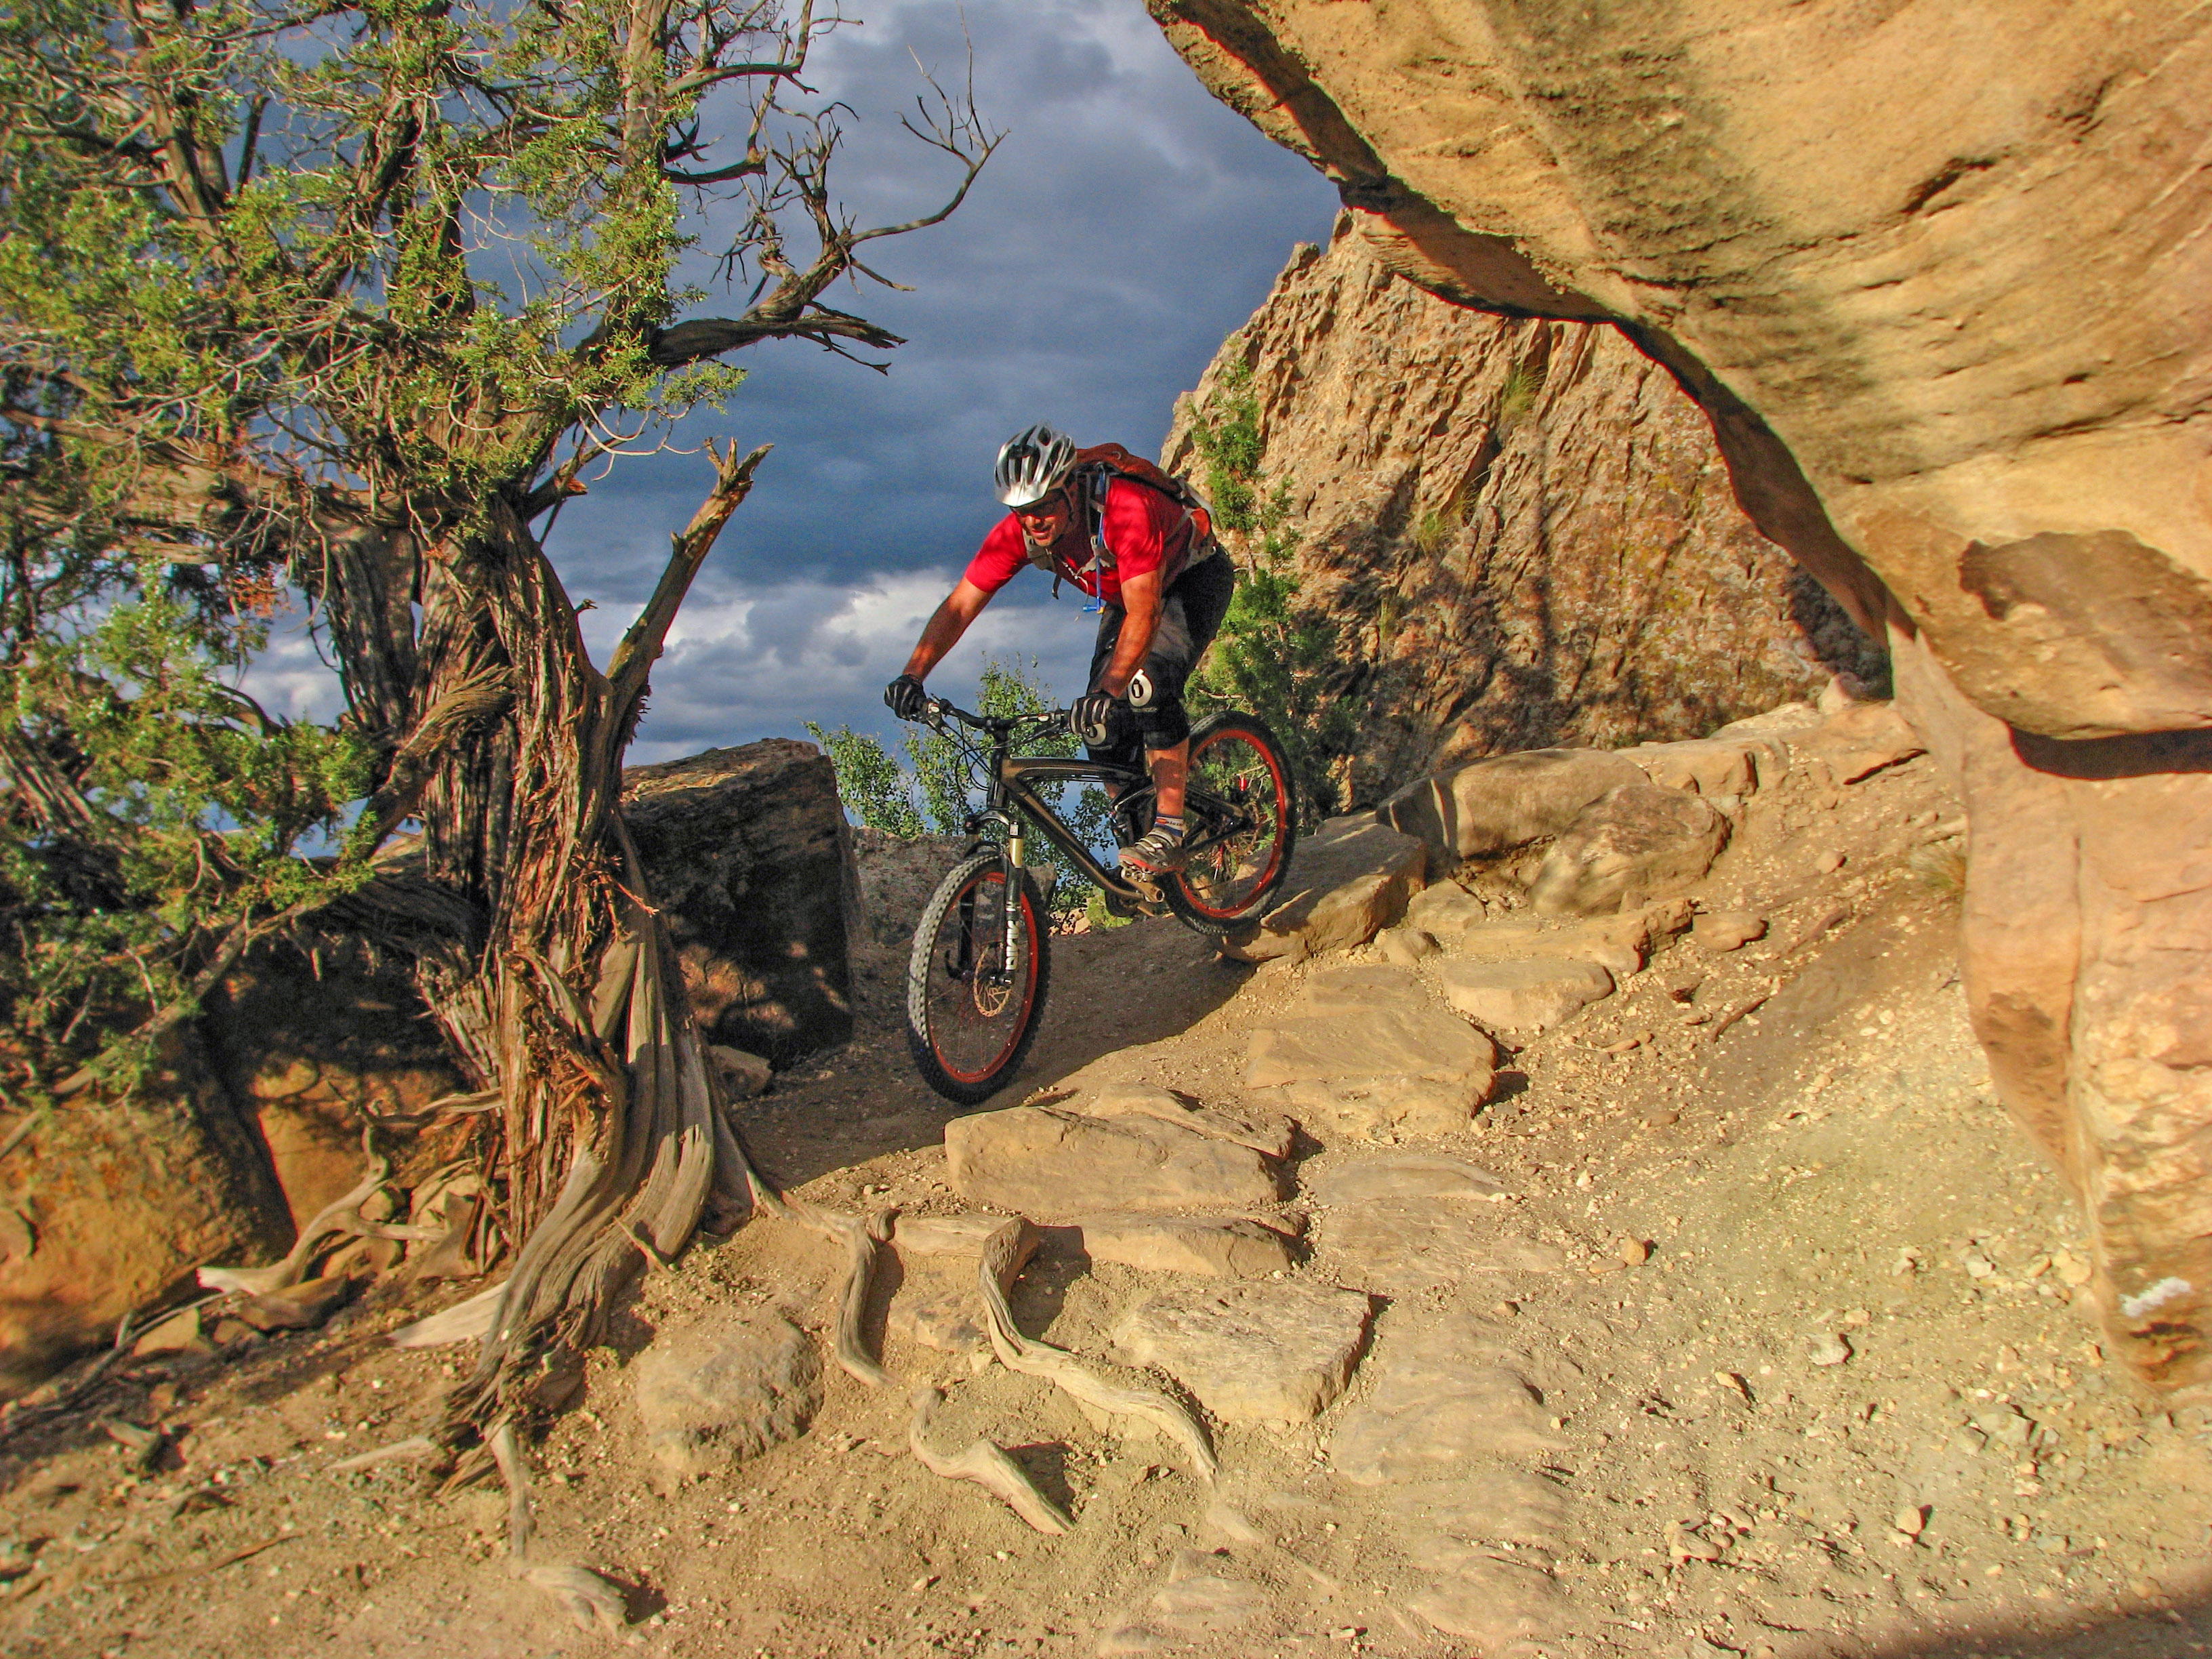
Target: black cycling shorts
[1190, 616]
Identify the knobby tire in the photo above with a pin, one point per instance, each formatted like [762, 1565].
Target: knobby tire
[967, 1035]
[1230, 901]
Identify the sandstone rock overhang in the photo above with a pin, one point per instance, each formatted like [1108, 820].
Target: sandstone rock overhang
[1954, 331]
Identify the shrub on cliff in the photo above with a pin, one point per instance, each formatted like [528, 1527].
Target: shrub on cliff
[1269, 660]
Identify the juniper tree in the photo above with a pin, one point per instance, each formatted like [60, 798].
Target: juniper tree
[346, 296]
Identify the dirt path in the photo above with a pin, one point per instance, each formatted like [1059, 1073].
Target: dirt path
[1844, 1407]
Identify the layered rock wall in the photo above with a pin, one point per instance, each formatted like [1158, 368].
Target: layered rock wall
[1940, 275]
[1519, 533]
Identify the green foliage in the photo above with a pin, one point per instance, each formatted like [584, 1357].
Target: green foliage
[1269, 659]
[334, 301]
[1227, 435]
[936, 793]
[1517, 393]
[188, 814]
[876, 792]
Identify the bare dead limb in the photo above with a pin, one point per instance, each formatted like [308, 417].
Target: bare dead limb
[590, 1598]
[988, 1467]
[640, 649]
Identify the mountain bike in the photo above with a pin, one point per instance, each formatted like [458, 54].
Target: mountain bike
[982, 954]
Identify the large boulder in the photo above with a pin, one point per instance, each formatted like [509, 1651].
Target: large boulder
[748, 853]
[1494, 805]
[1520, 534]
[1637, 844]
[110, 1205]
[1951, 329]
[308, 1056]
[1274, 1352]
[1522, 998]
[723, 1389]
[1348, 880]
[897, 875]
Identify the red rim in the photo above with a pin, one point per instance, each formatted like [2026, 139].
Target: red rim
[1280, 798]
[1029, 995]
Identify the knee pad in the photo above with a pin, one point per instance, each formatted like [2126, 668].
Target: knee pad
[1164, 724]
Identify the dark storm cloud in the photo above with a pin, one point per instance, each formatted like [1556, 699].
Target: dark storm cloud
[1127, 223]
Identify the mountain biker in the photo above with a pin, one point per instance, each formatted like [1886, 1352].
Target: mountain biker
[1164, 586]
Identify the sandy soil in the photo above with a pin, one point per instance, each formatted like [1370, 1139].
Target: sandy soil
[1830, 1172]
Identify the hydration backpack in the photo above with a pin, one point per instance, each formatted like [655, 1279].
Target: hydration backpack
[1095, 469]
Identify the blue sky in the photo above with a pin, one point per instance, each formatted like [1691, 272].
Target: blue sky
[1125, 225]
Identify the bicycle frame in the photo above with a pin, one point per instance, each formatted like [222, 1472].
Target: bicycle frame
[1010, 793]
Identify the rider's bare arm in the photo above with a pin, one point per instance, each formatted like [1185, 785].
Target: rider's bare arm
[1140, 602]
[961, 606]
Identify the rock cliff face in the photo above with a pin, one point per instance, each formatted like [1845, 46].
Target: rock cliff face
[1939, 275]
[1519, 532]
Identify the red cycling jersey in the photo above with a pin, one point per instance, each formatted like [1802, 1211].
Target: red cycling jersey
[1141, 528]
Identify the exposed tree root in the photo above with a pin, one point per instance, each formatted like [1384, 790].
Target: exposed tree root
[988, 1467]
[341, 1216]
[420, 1448]
[1004, 1253]
[591, 1599]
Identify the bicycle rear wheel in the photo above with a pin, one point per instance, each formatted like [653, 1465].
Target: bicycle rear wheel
[1238, 772]
[970, 1014]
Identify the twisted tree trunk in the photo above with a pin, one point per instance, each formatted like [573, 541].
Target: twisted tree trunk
[566, 999]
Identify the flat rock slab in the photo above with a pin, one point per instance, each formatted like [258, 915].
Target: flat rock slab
[1197, 1602]
[1639, 843]
[1505, 1610]
[1381, 1107]
[1523, 996]
[1496, 804]
[1405, 1175]
[723, 1391]
[944, 1315]
[1417, 1040]
[944, 1234]
[1727, 930]
[1264, 1132]
[1616, 944]
[1360, 989]
[1857, 741]
[1220, 1248]
[1402, 1245]
[1442, 1407]
[1701, 766]
[1440, 1520]
[1445, 909]
[1349, 880]
[1049, 1164]
[1267, 1352]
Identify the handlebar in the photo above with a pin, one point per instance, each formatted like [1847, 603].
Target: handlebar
[999, 725]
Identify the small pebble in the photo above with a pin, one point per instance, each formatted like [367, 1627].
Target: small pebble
[1830, 1351]
[1634, 1252]
[1828, 863]
[1911, 1520]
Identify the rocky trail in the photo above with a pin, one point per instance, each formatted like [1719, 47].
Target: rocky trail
[1659, 1281]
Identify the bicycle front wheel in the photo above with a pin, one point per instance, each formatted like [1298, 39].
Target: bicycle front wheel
[974, 987]
[1246, 823]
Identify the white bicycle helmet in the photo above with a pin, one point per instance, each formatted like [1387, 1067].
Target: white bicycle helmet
[1032, 464]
